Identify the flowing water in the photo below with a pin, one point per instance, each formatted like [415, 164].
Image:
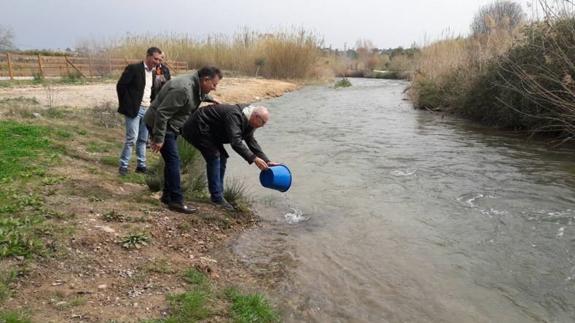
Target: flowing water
[398, 215]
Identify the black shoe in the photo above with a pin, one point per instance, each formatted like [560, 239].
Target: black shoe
[142, 169]
[123, 171]
[224, 205]
[164, 200]
[181, 208]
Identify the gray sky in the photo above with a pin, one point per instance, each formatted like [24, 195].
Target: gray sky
[387, 23]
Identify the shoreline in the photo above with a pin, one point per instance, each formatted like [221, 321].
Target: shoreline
[87, 272]
[81, 96]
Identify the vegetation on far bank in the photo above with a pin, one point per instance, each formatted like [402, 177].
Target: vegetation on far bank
[509, 73]
[77, 240]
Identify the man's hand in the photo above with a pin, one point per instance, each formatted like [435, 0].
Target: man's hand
[273, 164]
[261, 163]
[156, 146]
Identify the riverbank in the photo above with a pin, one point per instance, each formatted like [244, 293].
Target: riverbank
[518, 78]
[230, 90]
[77, 242]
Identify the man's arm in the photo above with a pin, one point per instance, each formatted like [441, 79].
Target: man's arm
[209, 98]
[255, 147]
[124, 84]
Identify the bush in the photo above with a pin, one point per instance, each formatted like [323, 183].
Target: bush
[344, 82]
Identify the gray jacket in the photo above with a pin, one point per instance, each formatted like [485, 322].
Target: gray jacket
[175, 103]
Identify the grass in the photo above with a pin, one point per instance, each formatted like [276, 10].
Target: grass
[188, 307]
[344, 82]
[98, 147]
[246, 308]
[21, 145]
[282, 54]
[195, 277]
[235, 192]
[24, 155]
[36, 224]
[14, 317]
[203, 300]
[6, 278]
[110, 160]
[135, 241]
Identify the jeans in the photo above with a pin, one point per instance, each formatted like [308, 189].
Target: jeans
[136, 134]
[172, 188]
[216, 169]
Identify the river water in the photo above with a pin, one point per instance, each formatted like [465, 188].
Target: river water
[399, 215]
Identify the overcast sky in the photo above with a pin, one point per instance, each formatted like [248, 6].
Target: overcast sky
[54, 24]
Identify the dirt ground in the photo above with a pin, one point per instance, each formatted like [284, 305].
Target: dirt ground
[230, 90]
[90, 276]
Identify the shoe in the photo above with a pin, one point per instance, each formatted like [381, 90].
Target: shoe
[164, 200]
[181, 208]
[123, 171]
[224, 205]
[142, 169]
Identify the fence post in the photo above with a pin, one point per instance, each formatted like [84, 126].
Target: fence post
[40, 67]
[74, 66]
[67, 67]
[10, 72]
[90, 66]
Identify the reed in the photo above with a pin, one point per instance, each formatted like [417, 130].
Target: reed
[284, 54]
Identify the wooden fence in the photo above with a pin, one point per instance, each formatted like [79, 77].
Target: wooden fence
[17, 65]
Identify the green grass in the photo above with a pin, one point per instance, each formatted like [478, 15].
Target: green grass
[110, 160]
[247, 308]
[6, 278]
[135, 241]
[188, 307]
[14, 317]
[344, 82]
[22, 144]
[203, 300]
[98, 147]
[195, 277]
[25, 154]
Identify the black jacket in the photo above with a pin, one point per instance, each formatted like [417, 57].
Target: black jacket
[130, 89]
[212, 126]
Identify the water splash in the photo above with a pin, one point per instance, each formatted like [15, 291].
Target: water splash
[407, 172]
[295, 216]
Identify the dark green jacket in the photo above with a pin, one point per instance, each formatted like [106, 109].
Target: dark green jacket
[176, 101]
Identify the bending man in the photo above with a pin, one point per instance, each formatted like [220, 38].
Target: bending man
[211, 127]
[175, 103]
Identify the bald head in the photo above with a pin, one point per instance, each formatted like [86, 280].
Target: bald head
[260, 116]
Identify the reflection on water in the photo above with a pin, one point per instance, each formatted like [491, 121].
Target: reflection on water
[401, 215]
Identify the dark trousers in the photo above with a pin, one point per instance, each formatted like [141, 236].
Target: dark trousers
[215, 170]
[172, 188]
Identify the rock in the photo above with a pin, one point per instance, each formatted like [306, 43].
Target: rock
[106, 228]
[37, 115]
[103, 286]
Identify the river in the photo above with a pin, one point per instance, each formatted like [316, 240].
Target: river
[400, 215]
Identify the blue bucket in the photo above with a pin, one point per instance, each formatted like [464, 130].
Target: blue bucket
[276, 177]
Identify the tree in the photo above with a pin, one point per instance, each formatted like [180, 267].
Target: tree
[500, 15]
[6, 38]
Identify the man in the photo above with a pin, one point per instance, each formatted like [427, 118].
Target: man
[211, 127]
[175, 102]
[161, 76]
[134, 89]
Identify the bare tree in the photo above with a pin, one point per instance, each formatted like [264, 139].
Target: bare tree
[6, 38]
[506, 15]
